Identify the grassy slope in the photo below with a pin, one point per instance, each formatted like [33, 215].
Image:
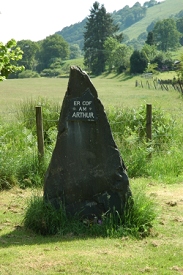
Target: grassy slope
[159, 12]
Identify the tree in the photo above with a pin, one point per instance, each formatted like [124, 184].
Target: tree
[53, 46]
[138, 62]
[121, 57]
[29, 49]
[179, 25]
[75, 51]
[166, 35]
[110, 46]
[150, 51]
[117, 55]
[9, 55]
[99, 26]
[150, 39]
[180, 68]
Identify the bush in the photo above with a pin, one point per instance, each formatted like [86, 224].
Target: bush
[28, 74]
[51, 72]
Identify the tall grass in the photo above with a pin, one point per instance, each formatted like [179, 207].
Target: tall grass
[147, 159]
[18, 144]
[42, 218]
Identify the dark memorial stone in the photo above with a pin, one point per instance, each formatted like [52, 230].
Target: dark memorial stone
[86, 172]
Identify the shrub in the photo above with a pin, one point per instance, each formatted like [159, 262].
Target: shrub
[28, 74]
[51, 72]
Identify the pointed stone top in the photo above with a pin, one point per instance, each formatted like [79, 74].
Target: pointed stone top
[79, 82]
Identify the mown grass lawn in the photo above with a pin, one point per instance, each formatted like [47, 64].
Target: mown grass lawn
[23, 252]
[112, 91]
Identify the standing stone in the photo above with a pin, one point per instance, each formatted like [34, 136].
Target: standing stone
[86, 172]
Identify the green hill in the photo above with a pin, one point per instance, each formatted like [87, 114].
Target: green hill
[164, 10]
[133, 21]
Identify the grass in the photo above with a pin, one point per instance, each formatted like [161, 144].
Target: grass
[137, 221]
[23, 252]
[112, 90]
[125, 107]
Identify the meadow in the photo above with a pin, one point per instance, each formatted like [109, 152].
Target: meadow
[161, 252]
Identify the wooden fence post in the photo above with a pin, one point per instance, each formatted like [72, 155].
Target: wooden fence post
[40, 134]
[149, 122]
[149, 125]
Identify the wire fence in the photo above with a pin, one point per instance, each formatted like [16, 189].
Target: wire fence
[38, 120]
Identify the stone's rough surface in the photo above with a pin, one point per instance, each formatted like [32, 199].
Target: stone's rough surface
[86, 172]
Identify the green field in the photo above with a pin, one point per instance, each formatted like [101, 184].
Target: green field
[161, 253]
[112, 91]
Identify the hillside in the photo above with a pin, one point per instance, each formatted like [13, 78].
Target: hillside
[74, 34]
[164, 10]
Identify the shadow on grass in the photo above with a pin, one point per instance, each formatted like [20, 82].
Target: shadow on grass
[120, 77]
[20, 237]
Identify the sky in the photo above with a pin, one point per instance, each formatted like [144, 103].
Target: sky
[37, 19]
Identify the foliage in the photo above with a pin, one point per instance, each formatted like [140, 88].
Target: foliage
[51, 72]
[117, 55]
[29, 49]
[73, 34]
[53, 46]
[150, 38]
[128, 16]
[18, 144]
[166, 35]
[129, 131]
[42, 218]
[150, 51]
[180, 68]
[139, 219]
[163, 60]
[124, 18]
[150, 3]
[150, 27]
[75, 51]
[28, 74]
[157, 60]
[9, 56]
[179, 25]
[138, 62]
[18, 157]
[110, 45]
[99, 27]
[50, 112]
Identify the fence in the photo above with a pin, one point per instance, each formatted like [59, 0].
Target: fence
[159, 84]
[40, 132]
[40, 135]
